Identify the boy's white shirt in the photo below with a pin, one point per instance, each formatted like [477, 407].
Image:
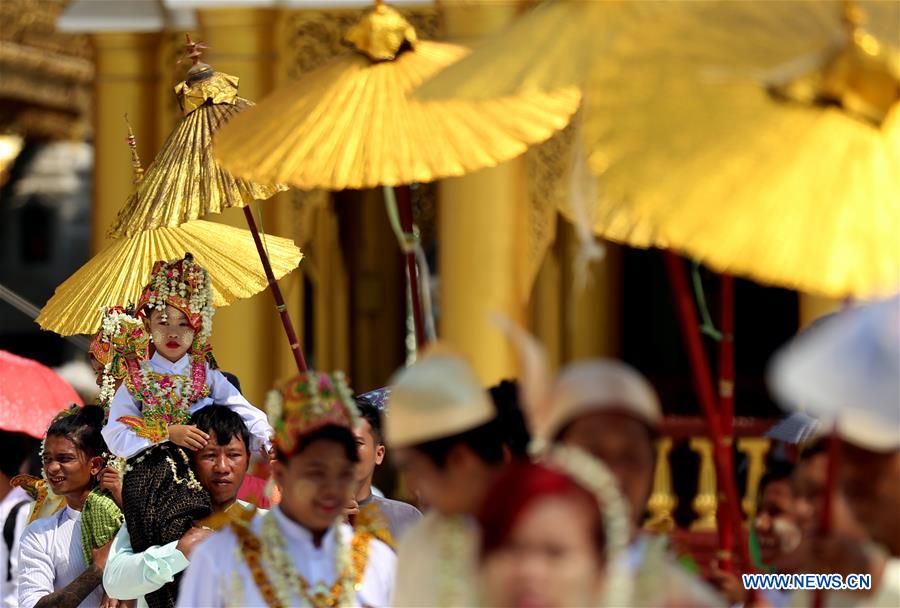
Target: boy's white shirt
[50, 558]
[122, 440]
[218, 576]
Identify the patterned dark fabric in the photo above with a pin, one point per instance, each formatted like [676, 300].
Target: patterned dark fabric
[160, 506]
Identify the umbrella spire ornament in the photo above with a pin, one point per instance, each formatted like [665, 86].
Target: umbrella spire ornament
[184, 182]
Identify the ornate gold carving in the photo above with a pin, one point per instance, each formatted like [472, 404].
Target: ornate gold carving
[46, 74]
[756, 449]
[705, 501]
[662, 501]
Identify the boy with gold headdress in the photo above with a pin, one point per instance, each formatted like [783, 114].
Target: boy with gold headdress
[300, 553]
[150, 413]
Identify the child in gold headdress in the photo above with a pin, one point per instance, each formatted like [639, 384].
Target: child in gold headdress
[300, 553]
[149, 414]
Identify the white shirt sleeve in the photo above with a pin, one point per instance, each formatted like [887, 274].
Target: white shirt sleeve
[224, 393]
[378, 581]
[36, 571]
[129, 575]
[202, 584]
[121, 438]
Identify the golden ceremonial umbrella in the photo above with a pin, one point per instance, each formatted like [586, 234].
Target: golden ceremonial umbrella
[763, 138]
[552, 46]
[350, 124]
[119, 272]
[184, 182]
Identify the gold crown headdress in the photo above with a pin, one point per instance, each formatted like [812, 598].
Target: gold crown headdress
[185, 285]
[122, 336]
[307, 402]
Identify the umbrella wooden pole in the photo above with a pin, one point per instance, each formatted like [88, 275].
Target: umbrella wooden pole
[404, 210]
[703, 384]
[726, 406]
[276, 293]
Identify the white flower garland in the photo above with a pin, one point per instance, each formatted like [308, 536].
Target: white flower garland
[111, 325]
[288, 582]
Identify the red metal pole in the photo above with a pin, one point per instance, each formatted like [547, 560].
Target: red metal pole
[703, 384]
[726, 406]
[404, 210]
[276, 293]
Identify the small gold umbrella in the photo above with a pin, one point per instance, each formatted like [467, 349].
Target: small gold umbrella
[762, 137]
[119, 272]
[184, 182]
[350, 124]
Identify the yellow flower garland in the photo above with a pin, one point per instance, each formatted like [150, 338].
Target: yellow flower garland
[271, 549]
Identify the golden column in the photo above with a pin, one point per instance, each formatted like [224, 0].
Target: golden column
[247, 338]
[482, 244]
[125, 82]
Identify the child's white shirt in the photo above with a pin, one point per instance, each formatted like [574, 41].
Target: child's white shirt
[124, 442]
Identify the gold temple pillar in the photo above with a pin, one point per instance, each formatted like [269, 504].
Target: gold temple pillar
[592, 314]
[125, 82]
[481, 246]
[247, 337]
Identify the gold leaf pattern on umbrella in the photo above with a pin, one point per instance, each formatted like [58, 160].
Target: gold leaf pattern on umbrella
[725, 127]
[350, 124]
[118, 273]
[184, 182]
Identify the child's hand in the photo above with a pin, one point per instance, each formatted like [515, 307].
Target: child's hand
[187, 436]
[111, 481]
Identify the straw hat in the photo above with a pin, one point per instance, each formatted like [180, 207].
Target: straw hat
[439, 396]
[600, 385]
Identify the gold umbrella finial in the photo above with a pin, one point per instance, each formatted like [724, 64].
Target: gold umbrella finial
[382, 33]
[135, 159]
[198, 69]
[861, 75]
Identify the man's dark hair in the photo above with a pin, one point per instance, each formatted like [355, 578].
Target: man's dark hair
[338, 434]
[486, 441]
[819, 446]
[370, 412]
[83, 429]
[510, 417]
[776, 470]
[225, 423]
[233, 380]
[15, 448]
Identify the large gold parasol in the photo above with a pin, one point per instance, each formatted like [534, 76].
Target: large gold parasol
[350, 124]
[184, 182]
[763, 137]
[118, 273]
[552, 46]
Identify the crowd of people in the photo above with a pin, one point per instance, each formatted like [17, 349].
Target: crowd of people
[531, 498]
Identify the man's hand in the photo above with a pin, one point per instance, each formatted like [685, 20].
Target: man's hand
[187, 436]
[100, 554]
[190, 539]
[111, 481]
[728, 584]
